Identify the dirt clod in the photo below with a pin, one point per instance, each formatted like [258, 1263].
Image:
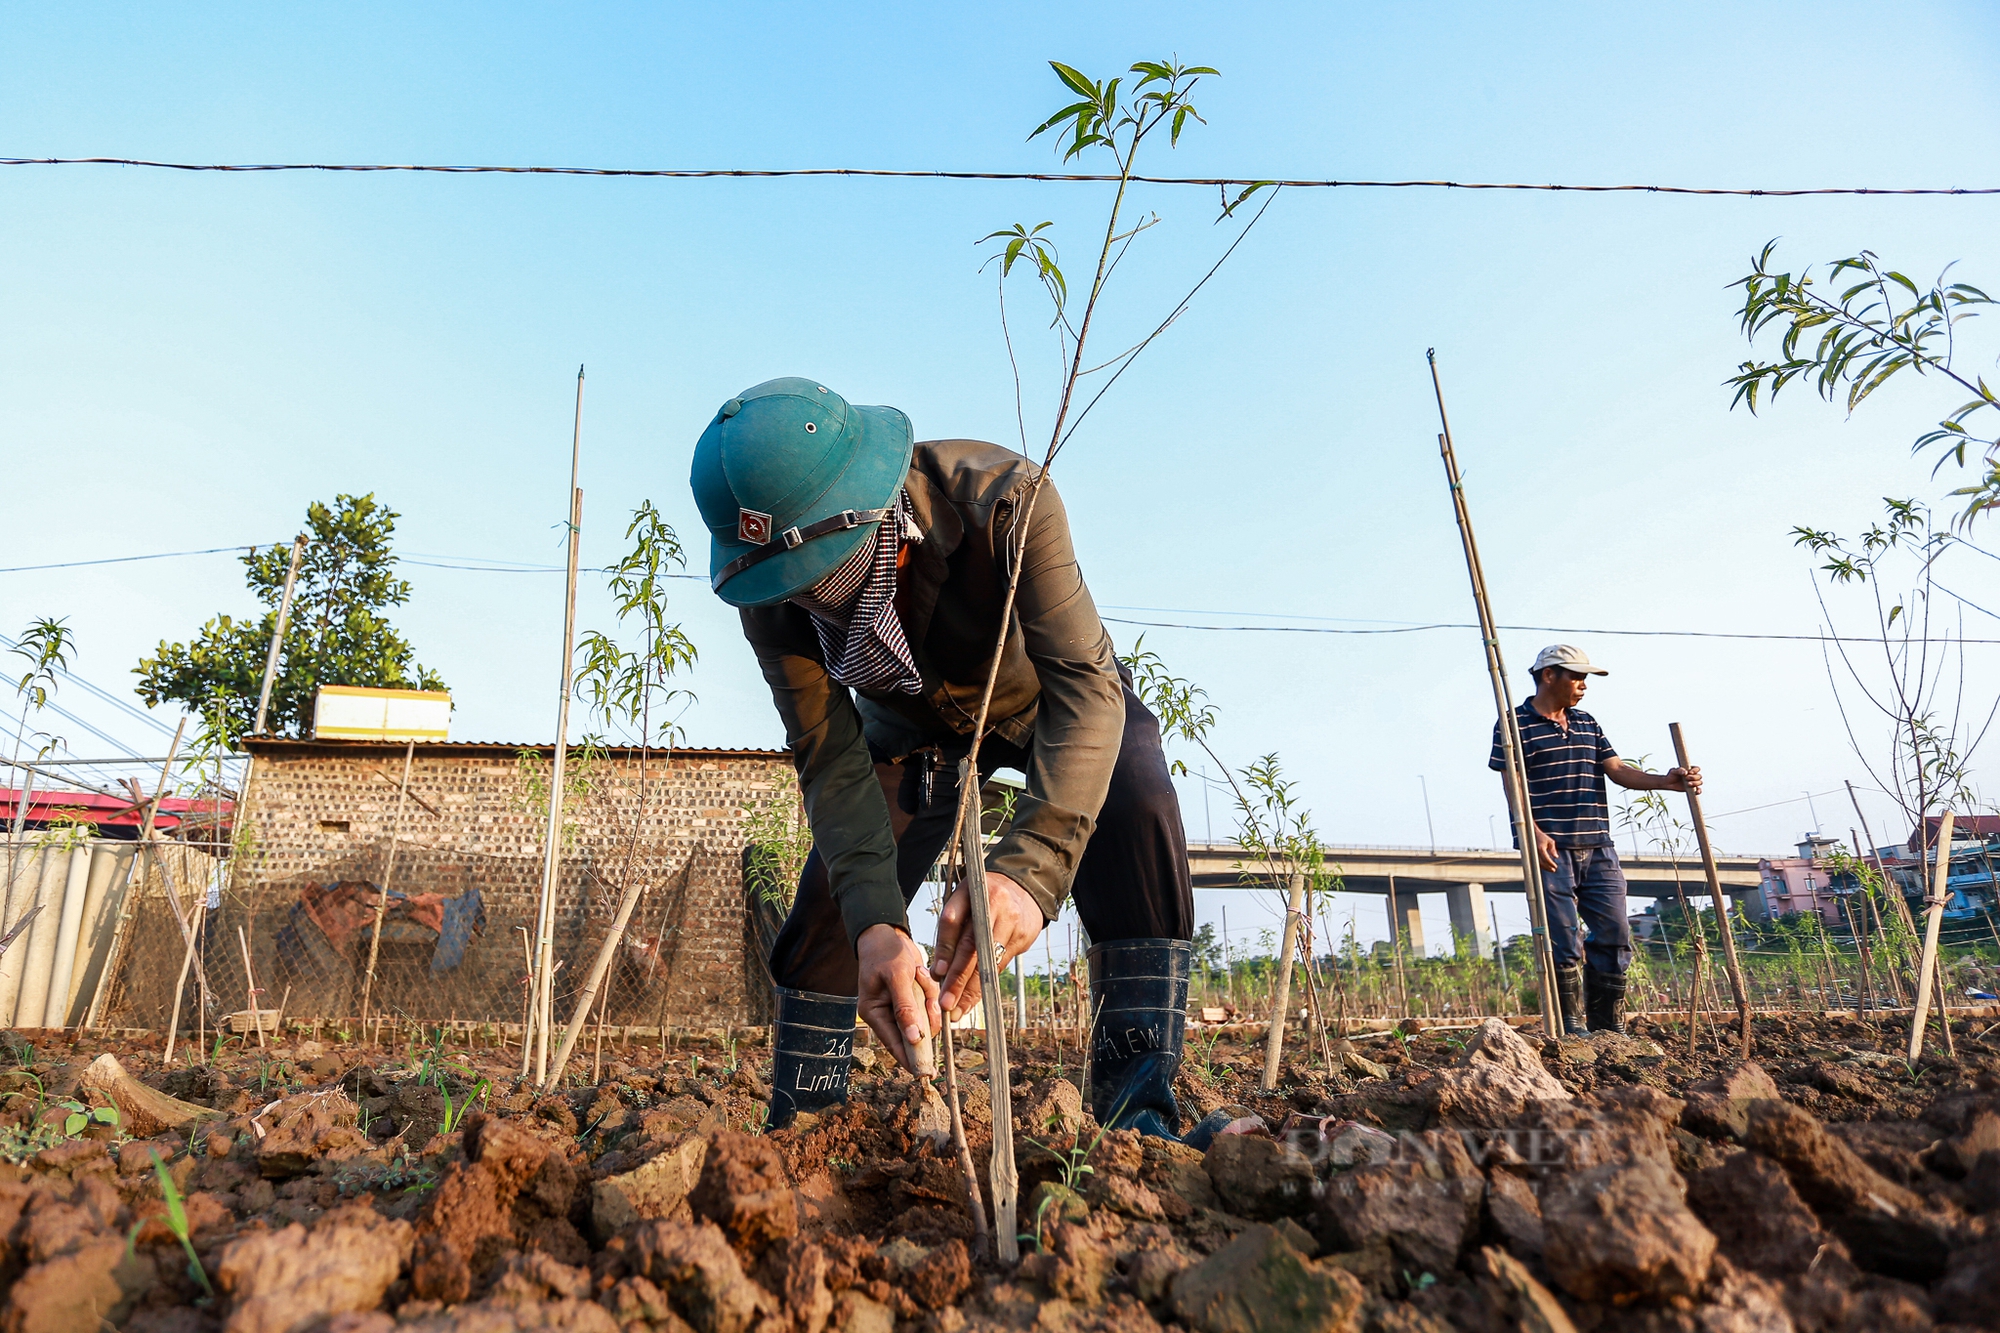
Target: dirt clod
[744, 1191]
[1259, 1284]
[285, 1281]
[1624, 1231]
[1258, 1177]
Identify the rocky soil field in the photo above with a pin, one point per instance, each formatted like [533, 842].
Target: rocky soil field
[1439, 1180]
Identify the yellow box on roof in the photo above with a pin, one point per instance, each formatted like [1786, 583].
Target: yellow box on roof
[355, 713]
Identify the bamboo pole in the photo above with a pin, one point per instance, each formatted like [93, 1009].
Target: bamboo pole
[1396, 947]
[973, 1203]
[1519, 812]
[126, 904]
[1889, 886]
[388, 877]
[1860, 928]
[1005, 1179]
[545, 914]
[250, 986]
[1281, 992]
[1933, 919]
[605, 953]
[1937, 977]
[1730, 962]
[528, 1000]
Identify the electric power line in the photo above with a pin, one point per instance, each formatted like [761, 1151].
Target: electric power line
[128, 559]
[1529, 629]
[103, 695]
[1218, 182]
[498, 567]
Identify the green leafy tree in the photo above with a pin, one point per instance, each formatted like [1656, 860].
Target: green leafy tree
[337, 634]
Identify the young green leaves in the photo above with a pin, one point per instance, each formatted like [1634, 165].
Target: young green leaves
[1181, 706]
[1021, 240]
[81, 1117]
[619, 684]
[177, 1222]
[1868, 332]
[46, 646]
[1160, 95]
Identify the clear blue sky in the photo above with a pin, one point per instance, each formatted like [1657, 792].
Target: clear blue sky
[187, 360]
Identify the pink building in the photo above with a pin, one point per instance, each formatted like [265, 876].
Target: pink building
[1804, 883]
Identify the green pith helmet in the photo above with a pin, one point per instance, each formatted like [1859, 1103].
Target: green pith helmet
[791, 478]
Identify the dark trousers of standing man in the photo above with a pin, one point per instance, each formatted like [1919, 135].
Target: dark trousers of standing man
[1131, 884]
[1588, 883]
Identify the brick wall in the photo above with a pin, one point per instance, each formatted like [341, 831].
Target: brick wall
[322, 812]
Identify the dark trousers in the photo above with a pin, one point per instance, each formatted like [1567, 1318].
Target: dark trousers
[1132, 882]
[1589, 883]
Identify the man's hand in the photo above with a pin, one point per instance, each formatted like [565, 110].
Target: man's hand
[897, 996]
[1017, 921]
[1547, 847]
[1684, 779]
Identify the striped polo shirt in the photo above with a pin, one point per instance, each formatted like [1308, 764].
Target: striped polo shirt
[1565, 775]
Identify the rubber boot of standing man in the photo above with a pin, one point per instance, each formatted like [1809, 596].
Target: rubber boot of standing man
[1568, 759]
[870, 571]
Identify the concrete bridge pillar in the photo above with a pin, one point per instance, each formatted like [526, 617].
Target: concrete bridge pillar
[1405, 922]
[1469, 920]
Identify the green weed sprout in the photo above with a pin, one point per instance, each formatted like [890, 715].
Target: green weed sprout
[81, 1117]
[454, 1116]
[177, 1222]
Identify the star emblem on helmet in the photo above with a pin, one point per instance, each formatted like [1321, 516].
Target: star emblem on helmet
[753, 527]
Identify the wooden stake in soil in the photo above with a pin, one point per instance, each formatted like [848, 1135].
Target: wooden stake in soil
[1396, 949]
[129, 901]
[605, 953]
[1729, 960]
[974, 1204]
[1006, 1181]
[545, 913]
[1933, 919]
[388, 877]
[1894, 890]
[250, 987]
[1519, 812]
[1281, 995]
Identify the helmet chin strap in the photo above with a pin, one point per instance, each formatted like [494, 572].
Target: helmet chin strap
[794, 537]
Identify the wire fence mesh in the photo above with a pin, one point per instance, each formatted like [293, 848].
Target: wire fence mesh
[332, 863]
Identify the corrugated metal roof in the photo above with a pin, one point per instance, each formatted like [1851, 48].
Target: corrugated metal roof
[276, 746]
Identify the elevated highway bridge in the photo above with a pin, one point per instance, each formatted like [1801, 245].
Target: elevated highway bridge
[1465, 875]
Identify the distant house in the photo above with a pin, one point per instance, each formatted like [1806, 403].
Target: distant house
[113, 816]
[1963, 828]
[1805, 882]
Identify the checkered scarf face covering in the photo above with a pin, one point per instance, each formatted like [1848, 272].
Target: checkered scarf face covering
[853, 611]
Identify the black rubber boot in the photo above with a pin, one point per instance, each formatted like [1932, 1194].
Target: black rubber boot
[812, 1044]
[1569, 989]
[1138, 1005]
[1605, 1000]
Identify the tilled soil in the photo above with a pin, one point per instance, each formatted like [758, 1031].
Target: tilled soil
[1463, 1179]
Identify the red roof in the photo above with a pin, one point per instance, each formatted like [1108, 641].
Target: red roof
[1975, 826]
[109, 812]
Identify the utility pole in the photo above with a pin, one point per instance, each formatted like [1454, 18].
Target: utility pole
[278, 636]
[1432, 828]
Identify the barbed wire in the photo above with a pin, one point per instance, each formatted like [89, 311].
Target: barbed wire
[1217, 182]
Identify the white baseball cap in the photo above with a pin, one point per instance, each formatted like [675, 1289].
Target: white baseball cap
[1569, 658]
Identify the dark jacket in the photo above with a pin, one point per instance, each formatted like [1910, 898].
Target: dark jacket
[1058, 691]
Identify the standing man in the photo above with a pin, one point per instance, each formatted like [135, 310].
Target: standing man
[1567, 759]
[870, 573]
